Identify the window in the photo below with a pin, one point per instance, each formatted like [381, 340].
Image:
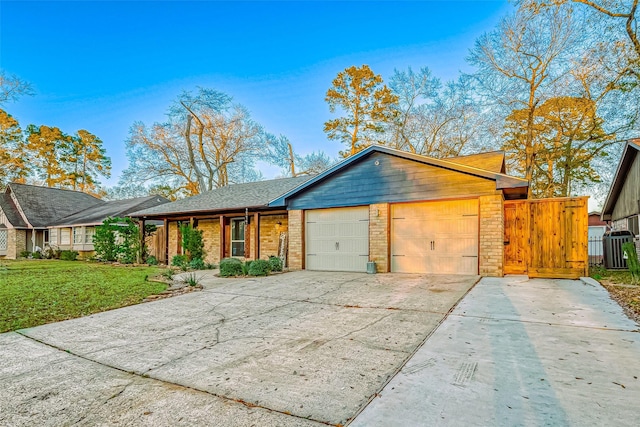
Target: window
[53, 236]
[4, 237]
[89, 232]
[237, 237]
[65, 236]
[632, 225]
[77, 235]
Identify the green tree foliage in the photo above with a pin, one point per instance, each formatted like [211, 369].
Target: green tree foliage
[13, 159]
[192, 242]
[367, 105]
[568, 136]
[85, 159]
[117, 239]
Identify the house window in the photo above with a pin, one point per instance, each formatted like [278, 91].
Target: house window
[65, 236]
[632, 225]
[237, 237]
[77, 235]
[89, 232]
[53, 236]
[4, 238]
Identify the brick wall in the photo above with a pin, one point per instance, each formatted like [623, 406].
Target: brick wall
[296, 239]
[491, 235]
[16, 242]
[211, 238]
[173, 240]
[379, 236]
[270, 233]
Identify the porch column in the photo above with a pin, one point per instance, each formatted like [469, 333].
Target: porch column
[142, 242]
[166, 241]
[256, 247]
[222, 242]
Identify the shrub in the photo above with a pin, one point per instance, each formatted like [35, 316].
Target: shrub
[209, 266]
[25, 254]
[117, 239]
[192, 280]
[275, 263]
[245, 267]
[197, 264]
[152, 260]
[632, 260]
[192, 242]
[180, 261]
[168, 273]
[259, 267]
[36, 255]
[68, 255]
[230, 267]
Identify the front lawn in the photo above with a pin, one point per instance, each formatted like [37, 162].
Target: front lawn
[35, 292]
[620, 285]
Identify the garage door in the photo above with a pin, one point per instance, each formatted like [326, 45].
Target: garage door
[435, 237]
[337, 239]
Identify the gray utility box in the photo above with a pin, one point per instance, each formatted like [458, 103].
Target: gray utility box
[612, 244]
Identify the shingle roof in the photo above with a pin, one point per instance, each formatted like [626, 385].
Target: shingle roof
[631, 150]
[492, 161]
[43, 205]
[11, 212]
[235, 196]
[115, 208]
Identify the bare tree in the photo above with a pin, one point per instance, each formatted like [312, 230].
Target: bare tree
[207, 142]
[13, 87]
[282, 154]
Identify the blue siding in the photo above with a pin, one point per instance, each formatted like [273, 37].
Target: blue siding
[393, 179]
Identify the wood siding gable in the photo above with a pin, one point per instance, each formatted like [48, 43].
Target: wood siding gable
[384, 178]
[628, 200]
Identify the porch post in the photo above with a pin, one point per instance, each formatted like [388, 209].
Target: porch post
[166, 241]
[142, 242]
[222, 242]
[256, 225]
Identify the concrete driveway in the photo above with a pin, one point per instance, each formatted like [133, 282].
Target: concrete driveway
[520, 352]
[296, 349]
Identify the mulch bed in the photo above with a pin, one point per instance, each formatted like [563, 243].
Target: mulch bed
[628, 296]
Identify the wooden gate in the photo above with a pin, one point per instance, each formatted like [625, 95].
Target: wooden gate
[546, 237]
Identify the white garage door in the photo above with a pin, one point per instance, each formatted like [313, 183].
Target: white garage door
[435, 237]
[337, 239]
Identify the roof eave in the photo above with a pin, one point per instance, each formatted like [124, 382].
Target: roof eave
[144, 215]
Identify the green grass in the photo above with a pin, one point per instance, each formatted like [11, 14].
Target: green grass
[36, 292]
[614, 276]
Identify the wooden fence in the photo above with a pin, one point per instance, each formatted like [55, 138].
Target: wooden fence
[546, 237]
[156, 245]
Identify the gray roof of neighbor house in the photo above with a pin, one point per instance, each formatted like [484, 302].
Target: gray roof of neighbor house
[232, 197]
[43, 205]
[114, 208]
[629, 154]
[11, 211]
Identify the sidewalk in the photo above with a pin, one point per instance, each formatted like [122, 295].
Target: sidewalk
[520, 352]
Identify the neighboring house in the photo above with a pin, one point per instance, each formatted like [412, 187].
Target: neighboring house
[622, 206]
[405, 212]
[597, 228]
[30, 217]
[76, 231]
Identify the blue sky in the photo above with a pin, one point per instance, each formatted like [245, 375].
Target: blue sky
[102, 65]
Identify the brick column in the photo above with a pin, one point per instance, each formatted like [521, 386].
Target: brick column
[379, 236]
[491, 235]
[296, 240]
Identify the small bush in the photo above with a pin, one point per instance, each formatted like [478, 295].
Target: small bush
[209, 266]
[245, 267]
[36, 255]
[275, 263]
[168, 273]
[632, 261]
[230, 267]
[25, 254]
[197, 264]
[259, 267]
[192, 280]
[152, 260]
[180, 261]
[68, 255]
